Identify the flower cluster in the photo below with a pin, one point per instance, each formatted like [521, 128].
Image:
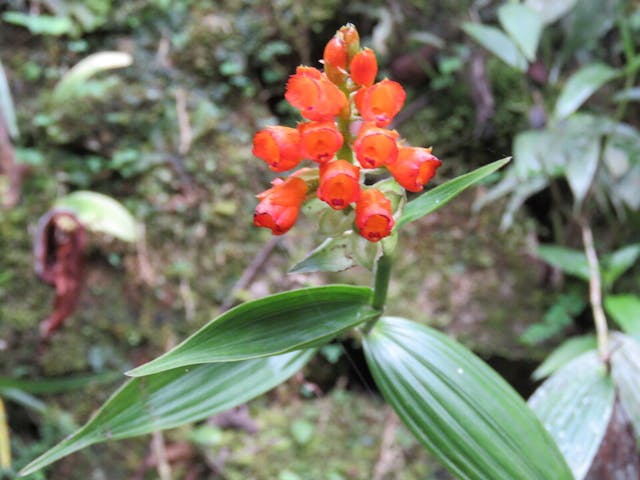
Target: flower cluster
[346, 134]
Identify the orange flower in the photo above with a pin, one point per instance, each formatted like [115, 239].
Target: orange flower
[335, 52]
[279, 147]
[375, 146]
[319, 141]
[339, 184]
[380, 102]
[313, 93]
[374, 218]
[414, 167]
[280, 205]
[364, 67]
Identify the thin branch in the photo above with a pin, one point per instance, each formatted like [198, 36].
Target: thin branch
[595, 291]
[160, 454]
[250, 272]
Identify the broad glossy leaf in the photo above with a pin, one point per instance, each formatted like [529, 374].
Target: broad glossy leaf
[332, 255]
[523, 25]
[438, 197]
[625, 368]
[572, 348]
[575, 405]
[530, 152]
[573, 262]
[615, 264]
[581, 168]
[275, 324]
[101, 213]
[458, 407]
[625, 310]
[550, 10]
[174, 398]
[581, 86]
[494, 40]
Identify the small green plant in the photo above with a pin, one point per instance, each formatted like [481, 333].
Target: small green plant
[356, 188]
[596, 155]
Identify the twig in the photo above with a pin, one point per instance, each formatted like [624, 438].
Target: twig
[160, 454]
[595, 291]
[250, 272]
[387, 453]
[10, 168]
[5, 445]
[184, 126]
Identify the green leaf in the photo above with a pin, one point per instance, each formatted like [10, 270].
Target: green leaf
[458, 407]
[441, 195]
[625, 310]
[55, 385]
[176, 397]
[550, 10]
[275, 324]
[615, 264]
[86, 68]
[572, 348]
[581, 86]
[494, 40]
[570, 261]
[523, 25]
[628, 95]
[40, 24]
[101, 213]
[582, 168]
[332, 255]
[625, 369]
[575, 405]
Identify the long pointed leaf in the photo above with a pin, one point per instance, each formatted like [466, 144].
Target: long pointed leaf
[575, 405]
[458, 407]
[441, 195]
[523, 25]
[176, 397]
[625, 310]
[494, 40]
[271, 325]
[573, 262]
[581, 86]
[572, 348]
[625, 367]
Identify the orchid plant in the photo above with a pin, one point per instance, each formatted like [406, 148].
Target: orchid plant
[357, 181]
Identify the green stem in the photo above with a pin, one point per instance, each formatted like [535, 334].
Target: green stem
[380, 288]
[381, 285]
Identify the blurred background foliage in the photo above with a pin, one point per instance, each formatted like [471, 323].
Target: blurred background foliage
[169, 136]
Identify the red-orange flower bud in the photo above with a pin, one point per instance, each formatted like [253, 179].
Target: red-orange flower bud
[414, 167]
[375, 146]
[313, 93]
[380, 102]
[339, 184]
[374, 218]
[364, 67]
[335, 52]
[319, 141]
[351, 39]
[279, 147]
[280, 205]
